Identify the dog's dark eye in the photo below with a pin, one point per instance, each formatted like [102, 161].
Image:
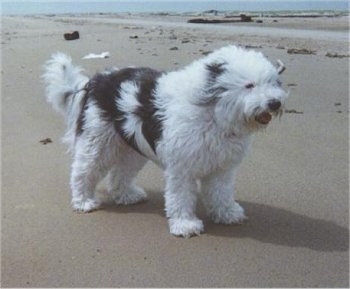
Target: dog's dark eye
[249, 85]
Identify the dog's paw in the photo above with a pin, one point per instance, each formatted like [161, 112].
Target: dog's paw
[133, 196]
[230, 214]
[85, 205]
[185, 227]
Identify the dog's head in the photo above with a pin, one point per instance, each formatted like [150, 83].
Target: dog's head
[244, 88]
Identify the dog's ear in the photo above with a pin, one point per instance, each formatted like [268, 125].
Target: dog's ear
[211, 93]
[206, 101]
[215, 69]
[210, 97]
[280, 67]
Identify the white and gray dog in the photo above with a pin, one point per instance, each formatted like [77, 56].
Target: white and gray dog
[195, 123]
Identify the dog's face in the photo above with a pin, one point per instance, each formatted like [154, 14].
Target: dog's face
[245, 89]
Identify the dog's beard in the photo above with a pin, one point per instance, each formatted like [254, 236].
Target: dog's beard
[260, 118]
[265, 116]
[259, 113]
[237, 118]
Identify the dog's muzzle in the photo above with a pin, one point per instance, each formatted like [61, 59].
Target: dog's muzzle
[266, 116]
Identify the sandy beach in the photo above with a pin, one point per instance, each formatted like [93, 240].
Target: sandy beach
[294, 184]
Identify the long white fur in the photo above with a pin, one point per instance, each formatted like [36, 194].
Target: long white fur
[206, 132]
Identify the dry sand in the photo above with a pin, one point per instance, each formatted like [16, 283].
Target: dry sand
[294, 184]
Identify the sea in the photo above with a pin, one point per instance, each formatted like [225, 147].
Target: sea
[13, 7]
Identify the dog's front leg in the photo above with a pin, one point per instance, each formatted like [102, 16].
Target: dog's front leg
[218, 197]
[180, 205]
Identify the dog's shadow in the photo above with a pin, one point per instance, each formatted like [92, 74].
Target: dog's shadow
[278, 226]
[266, 224]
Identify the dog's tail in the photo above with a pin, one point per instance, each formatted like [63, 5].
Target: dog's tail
[63, 80]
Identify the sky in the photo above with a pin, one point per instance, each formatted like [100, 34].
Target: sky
[4, 1]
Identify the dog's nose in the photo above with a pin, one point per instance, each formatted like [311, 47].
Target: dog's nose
[274, 104]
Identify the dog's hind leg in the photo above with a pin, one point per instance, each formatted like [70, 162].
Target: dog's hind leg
[120, 179]
[90, 166]
[84, 178]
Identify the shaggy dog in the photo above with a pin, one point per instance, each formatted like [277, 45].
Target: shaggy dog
[196, 123]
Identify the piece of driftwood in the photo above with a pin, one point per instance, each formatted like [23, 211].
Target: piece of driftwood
[71, 36]
[45, 141]
[300, 51]
[243, 18]
[336, 55]
[293, 111]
